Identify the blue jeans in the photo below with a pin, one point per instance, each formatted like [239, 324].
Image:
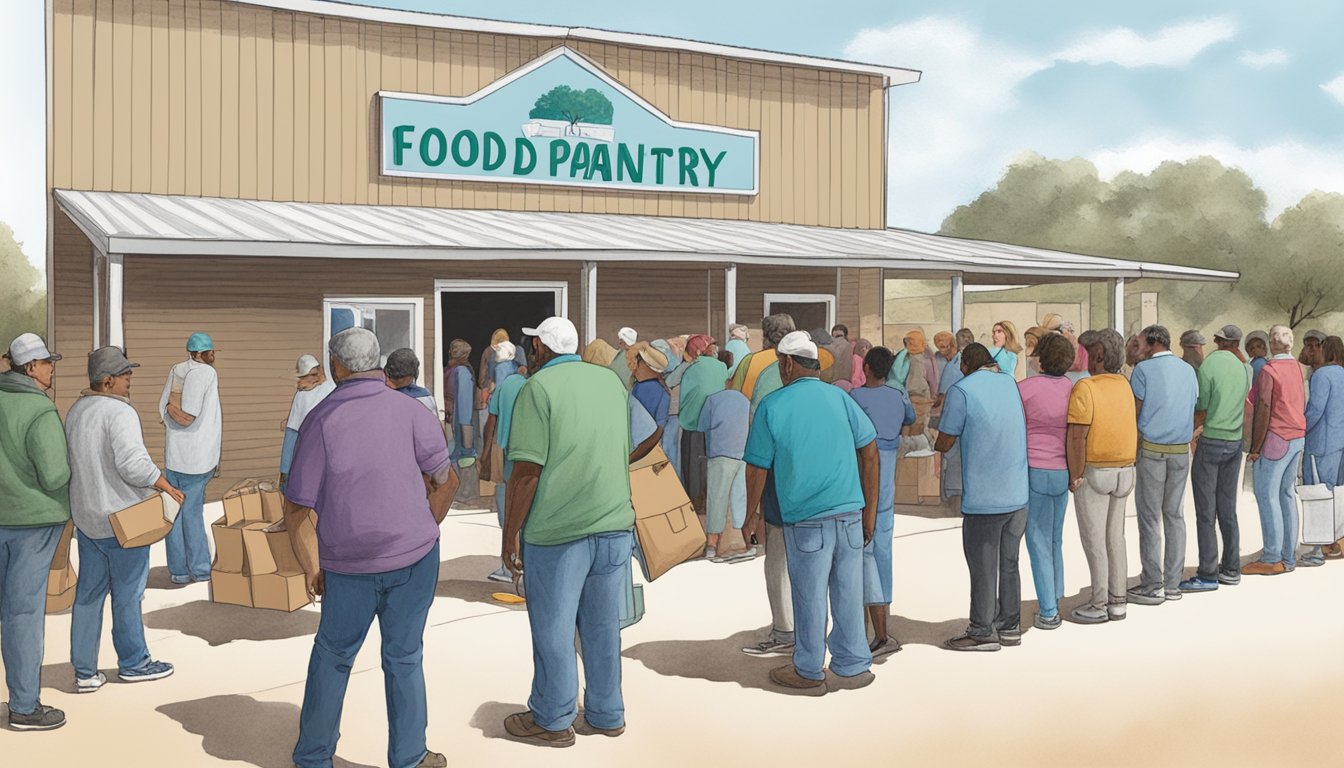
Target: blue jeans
[578, 586]
[400, 599]
[826, 556]
[672, 445]
[1046, 503]
[726, 494]
[104, 566]
[188, 549]
[460, 449]
[1276, 495]
[25, 559]
[877, 554]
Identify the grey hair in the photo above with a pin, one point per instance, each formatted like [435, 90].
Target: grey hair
[776, 327]
[402, 363]
[1112, 347]
[356, 349]
[1282, 337]
[1156, 334]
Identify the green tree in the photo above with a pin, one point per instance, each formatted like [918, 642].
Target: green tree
[1304, 280]
[23, 303]
[573, 106]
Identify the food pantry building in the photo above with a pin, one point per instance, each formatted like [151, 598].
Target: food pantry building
[273, 171]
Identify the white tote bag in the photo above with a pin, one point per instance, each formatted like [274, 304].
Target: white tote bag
[1319, 516]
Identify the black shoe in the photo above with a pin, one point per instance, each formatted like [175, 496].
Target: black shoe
[1010, 636]
[43, 718]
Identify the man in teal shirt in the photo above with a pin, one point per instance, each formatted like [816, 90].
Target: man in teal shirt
[568, 509]
[821, 448]
[705, 376]
[496, 430]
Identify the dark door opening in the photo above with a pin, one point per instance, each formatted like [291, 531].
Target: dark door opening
[807, 315]
[473, 315]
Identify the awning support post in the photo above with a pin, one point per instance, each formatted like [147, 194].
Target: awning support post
[729, 299]
[958, 303]
[115, 334]
[588, 288]
[1118, 305]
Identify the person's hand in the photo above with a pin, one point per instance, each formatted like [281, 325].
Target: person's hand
[752, 527]
[868, 531]
[284, 478]
[316, 584]
[1075, 484]
[1253, 457]
[175, 494]
[509, 554]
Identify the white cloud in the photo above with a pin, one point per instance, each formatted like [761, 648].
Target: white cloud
[1285, 170]
[1262, 59]
[1173, 46]
[1335, 88]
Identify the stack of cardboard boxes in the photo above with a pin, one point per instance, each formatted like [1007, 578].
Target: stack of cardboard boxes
[917, 481]
[255, 567]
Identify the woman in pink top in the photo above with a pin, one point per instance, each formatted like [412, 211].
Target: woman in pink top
[1045, 399]
[1278, 436]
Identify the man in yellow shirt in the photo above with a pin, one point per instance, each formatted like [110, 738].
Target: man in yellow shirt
[1102, 449]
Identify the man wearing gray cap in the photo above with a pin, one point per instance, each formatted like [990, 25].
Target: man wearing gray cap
[1224, 381]
[1257, 349]
[311, 387]
[1192, 348]
[35, 486]
[1311, 358]
[110, 470]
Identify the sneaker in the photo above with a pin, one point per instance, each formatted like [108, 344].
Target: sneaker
[885, 647]
[1172, 594]
[524, 726]
[1264, 569]
[152, 670]
[1312, 561]
[90, 684]
[1333, 551]
[43, 718]
[1199, 585]
[788, 677]
[1116, 611]
[965, 642]
[711, 554]
[769, 648]
[502, 575]
[433, 760]
[1142, 597]
[181, 581]
[745, 556]
[1052, 622]
[1087, 614]
[1228, 578]
[851, 683]
[1010, 636]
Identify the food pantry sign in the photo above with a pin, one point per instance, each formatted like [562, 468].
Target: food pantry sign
[562, 121]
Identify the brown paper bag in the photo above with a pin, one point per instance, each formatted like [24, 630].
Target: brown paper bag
[61, 577]
[667, 530]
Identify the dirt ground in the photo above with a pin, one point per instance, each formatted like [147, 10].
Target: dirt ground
[1246, 676]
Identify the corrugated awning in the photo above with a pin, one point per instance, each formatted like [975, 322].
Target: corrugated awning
[129, 224]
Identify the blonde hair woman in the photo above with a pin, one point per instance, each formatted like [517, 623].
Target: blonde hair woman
[1005, 347]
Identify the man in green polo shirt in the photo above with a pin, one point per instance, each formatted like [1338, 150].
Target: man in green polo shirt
[1224, 381]
[568, 501]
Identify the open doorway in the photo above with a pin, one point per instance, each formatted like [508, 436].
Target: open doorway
[810, 311]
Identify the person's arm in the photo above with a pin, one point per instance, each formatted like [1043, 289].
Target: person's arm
[1260, 429]
[646, 447]
[488, 443]
[442, 486]
[751, 525]
[1320, 394]
[301, 525]
[194, 388]
[47, 450]
[1138, 413]
[944, 442]
[287, 452]
[1075, 453]
[180, 416]
[869, 474]
[521, 491]
[162, 484]
[129, 455]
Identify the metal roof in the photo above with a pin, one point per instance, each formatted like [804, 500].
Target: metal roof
[349, 10]
[132, 223]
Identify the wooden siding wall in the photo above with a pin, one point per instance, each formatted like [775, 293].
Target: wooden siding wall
[219, 99]
[72, 305]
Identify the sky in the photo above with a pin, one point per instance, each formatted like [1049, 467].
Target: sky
[1127, 85]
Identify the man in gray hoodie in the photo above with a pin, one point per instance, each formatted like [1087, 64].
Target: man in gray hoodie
[110, 470]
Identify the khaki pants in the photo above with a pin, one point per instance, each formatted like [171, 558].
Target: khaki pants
[777, 585]
[1100, 505]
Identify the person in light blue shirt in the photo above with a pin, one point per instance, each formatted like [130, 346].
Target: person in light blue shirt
[1166, 390]
[724, 422]
[889, 409]
[1325, 431]
[737, 345]
[822, 449]
[983, 413]
[496, 432]
[1006, 347]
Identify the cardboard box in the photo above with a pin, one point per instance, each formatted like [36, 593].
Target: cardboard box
[272, 506]
[929, 479]
[667, 530]
[244, 502]
[145, 523]
[229, 555]
[278, 580]
[279, 591]
[230, 588]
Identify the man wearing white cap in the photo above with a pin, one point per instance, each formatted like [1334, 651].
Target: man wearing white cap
[569, 511]
[35, 487]
[625, 339]
[822, 450]
[189, 409]
[311, 387]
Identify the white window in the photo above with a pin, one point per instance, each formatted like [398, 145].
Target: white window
[397, 322]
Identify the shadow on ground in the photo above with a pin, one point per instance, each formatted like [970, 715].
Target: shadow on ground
[219, 624]
[489, 719]
[464, 578]
[271, 729]
[159, 578]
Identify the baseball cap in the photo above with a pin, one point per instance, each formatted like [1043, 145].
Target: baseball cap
[798, 344]
[305, 365]
[1192, 339]
[558, 334]
[108, 361]
[627, 335]
[1228, 333]
[1260, 336]
[1314, 334]
[200, 342]
[27, 347]
[505, 351]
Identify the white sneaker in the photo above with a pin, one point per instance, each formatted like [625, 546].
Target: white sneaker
[90, 684]
[501, 575]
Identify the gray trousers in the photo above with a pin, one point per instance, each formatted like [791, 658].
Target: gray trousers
[777, 585]
[1159, 496]
[1214, 481]
[1100, 506]
[992, 544]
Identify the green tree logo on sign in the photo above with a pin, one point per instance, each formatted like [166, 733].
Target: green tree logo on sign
[566, 111]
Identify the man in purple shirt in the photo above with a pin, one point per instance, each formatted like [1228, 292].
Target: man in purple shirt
[366, 532]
